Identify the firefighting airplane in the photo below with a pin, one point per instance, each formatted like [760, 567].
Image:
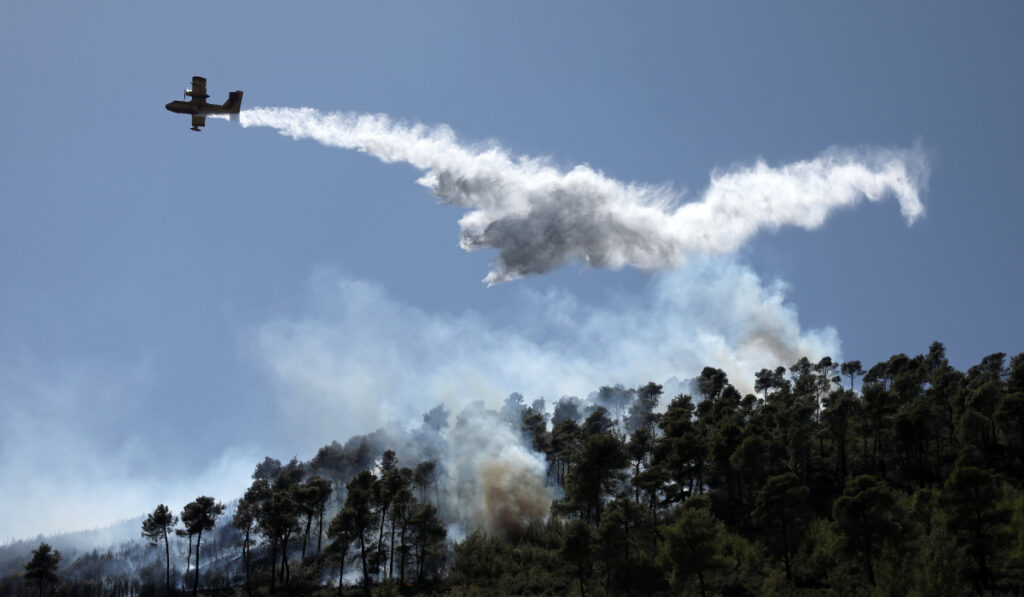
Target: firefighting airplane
[199, 108]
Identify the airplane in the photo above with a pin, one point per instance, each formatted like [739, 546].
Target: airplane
[199, 108]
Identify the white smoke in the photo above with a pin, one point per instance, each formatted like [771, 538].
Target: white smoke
[59, 475]
[359, 359]
[539, 217]
[495, 482]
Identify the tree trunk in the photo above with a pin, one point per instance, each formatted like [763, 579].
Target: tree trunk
[273, 563]
[391, 556]
[184, 586]
[305, 538]
[362, 555]
[246, 555]
[636, 486]
[380, 540]
[167, 559]
[286, 573]
[195, 583]
[420, 550]
[188, 560]
[401, 570]
[320, 529]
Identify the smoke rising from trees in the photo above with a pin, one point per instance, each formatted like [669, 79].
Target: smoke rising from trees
[539, 217]
[497, 481]
[338, 370]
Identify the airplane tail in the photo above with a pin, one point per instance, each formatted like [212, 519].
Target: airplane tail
[234, 104]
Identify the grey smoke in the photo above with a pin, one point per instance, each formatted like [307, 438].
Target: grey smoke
[56, 456]
[496, 482]
[358, 358]
[539, 217]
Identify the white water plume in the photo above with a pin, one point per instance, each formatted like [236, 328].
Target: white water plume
[539, 217]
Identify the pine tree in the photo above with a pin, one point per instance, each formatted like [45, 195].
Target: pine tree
[782, 513]
[42, 566]
[869, 518]
[691, 545]
[198, 516]
[576, 550]
[246, 520]
[971, 500]
[157, 527]
[428, 535]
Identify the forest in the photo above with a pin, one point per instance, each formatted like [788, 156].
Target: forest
[905, 478]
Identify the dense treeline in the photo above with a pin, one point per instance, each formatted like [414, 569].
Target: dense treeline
[905, 479]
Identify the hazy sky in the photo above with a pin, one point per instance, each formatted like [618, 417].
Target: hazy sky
[174, 306]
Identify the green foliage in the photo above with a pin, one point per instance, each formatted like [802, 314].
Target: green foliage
[157, 528]
[782, 513]
[820, 562]
[975, 516]
[596, 472]
[692, 548]
[428, 537]
[870, 518]
[362, 520]
[577, 550]
[483, 565]
[1013, 501]
[199, 516]
[479, 559]
[940, 566]
[41, 569]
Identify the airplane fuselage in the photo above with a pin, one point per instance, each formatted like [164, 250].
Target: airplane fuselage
[203, 109]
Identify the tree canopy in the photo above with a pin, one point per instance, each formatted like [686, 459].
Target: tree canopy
[904, 478]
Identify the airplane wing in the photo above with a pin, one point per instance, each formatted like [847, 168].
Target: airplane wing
[199, 89]
[198, 121]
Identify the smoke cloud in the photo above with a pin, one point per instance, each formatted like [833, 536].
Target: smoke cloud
[540, 218]
[357, 358]
[63, 470]
[496, 482]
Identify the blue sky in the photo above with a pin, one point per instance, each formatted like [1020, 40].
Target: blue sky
[174, 306]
